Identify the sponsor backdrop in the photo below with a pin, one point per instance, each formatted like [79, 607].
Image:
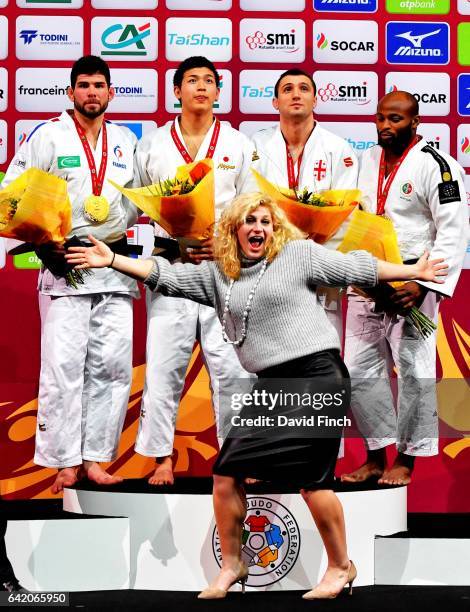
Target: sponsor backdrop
[357, 50]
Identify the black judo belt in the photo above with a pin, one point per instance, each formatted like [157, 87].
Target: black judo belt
[449, 190]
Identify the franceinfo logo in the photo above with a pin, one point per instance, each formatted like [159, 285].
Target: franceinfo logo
[431, 89]
[42, 89]
[40, 38]
[346, 6]
[348, 93]
[345, 42]
[129, 39]
[272, 40]
[417, 43]
[211, 38]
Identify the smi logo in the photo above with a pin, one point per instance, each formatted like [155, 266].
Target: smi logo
[352, 93]
[280, 41]
[417, 43]
[129, 36]
[343, 45]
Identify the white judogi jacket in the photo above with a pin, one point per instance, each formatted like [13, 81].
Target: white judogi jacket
[58, 138]
[157, 158]
[421, 220]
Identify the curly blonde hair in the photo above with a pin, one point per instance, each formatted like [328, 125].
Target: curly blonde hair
[227, 249]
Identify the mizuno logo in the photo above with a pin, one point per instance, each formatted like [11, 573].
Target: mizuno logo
[416, 41]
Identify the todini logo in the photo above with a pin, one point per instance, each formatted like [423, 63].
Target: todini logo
[28, 36]
[129, 36]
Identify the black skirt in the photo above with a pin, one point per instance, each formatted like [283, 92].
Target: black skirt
[281, 455]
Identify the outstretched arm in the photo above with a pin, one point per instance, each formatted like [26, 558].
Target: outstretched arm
[424, 269]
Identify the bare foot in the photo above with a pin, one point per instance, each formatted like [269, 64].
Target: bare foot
[370, 469]
[66, 477]
[163, 474]
[400, 472]
[333, 582]
[95, 472]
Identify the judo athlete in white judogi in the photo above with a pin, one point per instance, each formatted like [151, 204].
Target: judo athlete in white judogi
[421, 190]
[86, 332]
[299, 152]
[173, 325]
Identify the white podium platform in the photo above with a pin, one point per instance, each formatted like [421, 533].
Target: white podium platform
[174, 545]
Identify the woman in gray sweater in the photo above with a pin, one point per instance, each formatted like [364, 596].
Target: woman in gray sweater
[262, 284]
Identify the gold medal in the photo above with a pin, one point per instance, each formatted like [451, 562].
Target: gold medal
[446, 176]
[96, 208]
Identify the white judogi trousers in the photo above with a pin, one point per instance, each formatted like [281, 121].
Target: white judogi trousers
[86, 373]
[374, 343]
[176, 322]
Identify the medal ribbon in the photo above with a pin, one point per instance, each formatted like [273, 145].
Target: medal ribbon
[292, 178]
[382, 190]
[182, 149]
[96, 179]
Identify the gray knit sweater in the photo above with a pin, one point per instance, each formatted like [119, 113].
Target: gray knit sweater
[286, 319]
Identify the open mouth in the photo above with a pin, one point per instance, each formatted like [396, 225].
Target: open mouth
[256, 241]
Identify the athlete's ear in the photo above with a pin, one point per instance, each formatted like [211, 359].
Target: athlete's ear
[275, 103]
[177, 92]
[218, 93]
[415, 122]
[70, 93]
[112, 93]
[315, 100]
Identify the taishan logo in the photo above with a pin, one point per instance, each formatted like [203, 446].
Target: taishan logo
[251, 91]
[279, 41]
[129, 36]
[197, 40]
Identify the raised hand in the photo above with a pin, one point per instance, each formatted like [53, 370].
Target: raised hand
[97, 256]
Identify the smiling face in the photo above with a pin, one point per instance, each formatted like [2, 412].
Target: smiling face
[255, 233]
[198, 90]
[91, 95]
[296, 97]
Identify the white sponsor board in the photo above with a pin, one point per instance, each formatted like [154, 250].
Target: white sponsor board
[345, 93]
[125, 39]
[200, 5]
[3, 141]
[272, 40]
[42, 38]
[211, 38]
[251, 127]
[221, 106]
[360, 135]
[436, 134]
[257, 91]
[54, 4]
[3, 89]
[3, 37]
[272, 5]
[42, 90]
[138, 127]
[136, 90]
[463, 7]
[466, 263]
[23, 129]
[463, 145]
[431, 89]
[3, 3]
[117, 5]
[345, 41]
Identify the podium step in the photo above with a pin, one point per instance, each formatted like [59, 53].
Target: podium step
[174, 544]
[434, 551]
[53, 550]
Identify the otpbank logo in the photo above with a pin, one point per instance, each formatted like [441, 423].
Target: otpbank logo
[464, 94]
[346, 6]
[128, 39]
[417, 42]
[209, 37]
[418, 7]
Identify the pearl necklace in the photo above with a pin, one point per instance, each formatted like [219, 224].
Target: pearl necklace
[246, 311]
